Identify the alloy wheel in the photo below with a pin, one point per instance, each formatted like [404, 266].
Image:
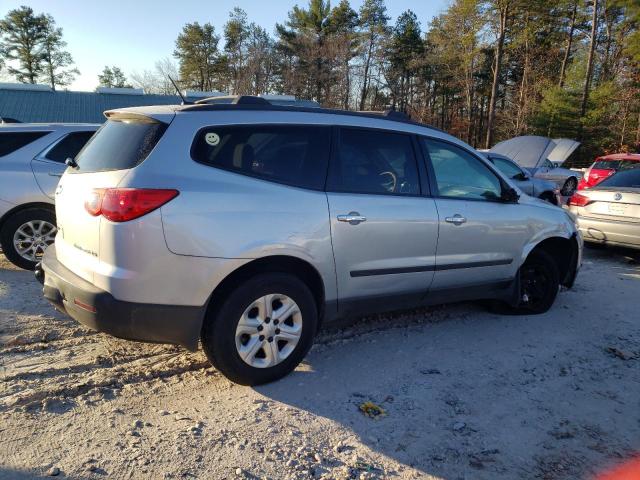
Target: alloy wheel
[268, 331]
[32, 238]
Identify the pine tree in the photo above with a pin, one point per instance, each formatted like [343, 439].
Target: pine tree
[113, 77]
[23, 35]
[57, 61]
[197, 52]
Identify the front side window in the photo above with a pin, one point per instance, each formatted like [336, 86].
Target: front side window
[12, 141]
[295, 155]
[68, 147]
[509, 169]
[374, 162]
[458, 174]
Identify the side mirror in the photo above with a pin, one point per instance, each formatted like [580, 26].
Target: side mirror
[521, 176]
[509, 195]
[70, 162]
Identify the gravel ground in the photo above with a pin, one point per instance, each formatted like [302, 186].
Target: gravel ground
[464, 394]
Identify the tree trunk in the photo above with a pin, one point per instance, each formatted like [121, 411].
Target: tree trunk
[637, 145]
[504, 13]
[365, 80]
[567, 52]
[592, 47]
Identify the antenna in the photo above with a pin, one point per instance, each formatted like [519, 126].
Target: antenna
[184, 101]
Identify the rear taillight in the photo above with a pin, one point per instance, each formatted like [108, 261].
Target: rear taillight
[124, 204]
[93, 203]
[579, 200]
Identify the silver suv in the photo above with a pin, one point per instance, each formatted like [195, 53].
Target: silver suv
[32, 160]
[246, 225]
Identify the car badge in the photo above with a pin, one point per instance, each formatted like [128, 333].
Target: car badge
[618, 196]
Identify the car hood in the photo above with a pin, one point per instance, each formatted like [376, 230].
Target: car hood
[564, 148]
[530, 151]
[527, 151]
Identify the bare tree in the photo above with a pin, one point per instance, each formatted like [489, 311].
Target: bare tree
[503, 8]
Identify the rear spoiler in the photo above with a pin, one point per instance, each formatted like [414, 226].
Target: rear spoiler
[158, 114]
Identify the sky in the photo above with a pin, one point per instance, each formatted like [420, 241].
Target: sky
[134, 34]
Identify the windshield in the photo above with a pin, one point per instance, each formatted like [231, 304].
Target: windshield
[614, 164]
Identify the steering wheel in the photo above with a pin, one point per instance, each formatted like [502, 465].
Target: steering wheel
[391, 184]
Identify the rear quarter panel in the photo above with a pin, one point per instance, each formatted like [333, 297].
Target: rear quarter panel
[224, 215]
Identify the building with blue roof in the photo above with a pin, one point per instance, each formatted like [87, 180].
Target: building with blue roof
[40, 104]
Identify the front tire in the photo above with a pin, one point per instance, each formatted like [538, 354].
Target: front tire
[262, 330]
[26, 234]
[569, 187]
[539, 282]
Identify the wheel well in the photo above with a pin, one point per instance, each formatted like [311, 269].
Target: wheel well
[273, 264]
[565, 253]
[25, 206]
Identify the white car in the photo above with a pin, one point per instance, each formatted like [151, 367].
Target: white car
[32, 160]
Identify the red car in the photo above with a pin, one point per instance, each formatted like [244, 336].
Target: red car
[606, 166]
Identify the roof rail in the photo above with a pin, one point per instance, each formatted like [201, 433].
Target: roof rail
[233, 100]
[248, 102]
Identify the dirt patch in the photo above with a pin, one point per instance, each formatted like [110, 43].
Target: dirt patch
[465, 394]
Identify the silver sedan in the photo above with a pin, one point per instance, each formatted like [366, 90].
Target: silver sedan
[534, 187]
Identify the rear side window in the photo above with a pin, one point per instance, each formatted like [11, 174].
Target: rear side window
[68, 147]
[12, 141]
[120, 144]
[374, 162]
[295, 155]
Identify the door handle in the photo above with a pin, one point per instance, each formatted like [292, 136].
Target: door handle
[51, 174]
[353, 218]
[457, 219]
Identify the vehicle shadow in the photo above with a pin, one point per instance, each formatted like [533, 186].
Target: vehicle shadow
[476, 395]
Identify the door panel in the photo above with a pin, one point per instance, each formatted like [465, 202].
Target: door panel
[480, 236]
[391, 252]
[384, 232]
[49, 165]
[486, 248]
[47, 175]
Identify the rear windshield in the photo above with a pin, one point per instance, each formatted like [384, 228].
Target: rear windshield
[624, 178]
[120, 144]
[12, 141]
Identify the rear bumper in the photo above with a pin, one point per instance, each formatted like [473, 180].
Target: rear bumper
[99, 310]
[610, 232]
